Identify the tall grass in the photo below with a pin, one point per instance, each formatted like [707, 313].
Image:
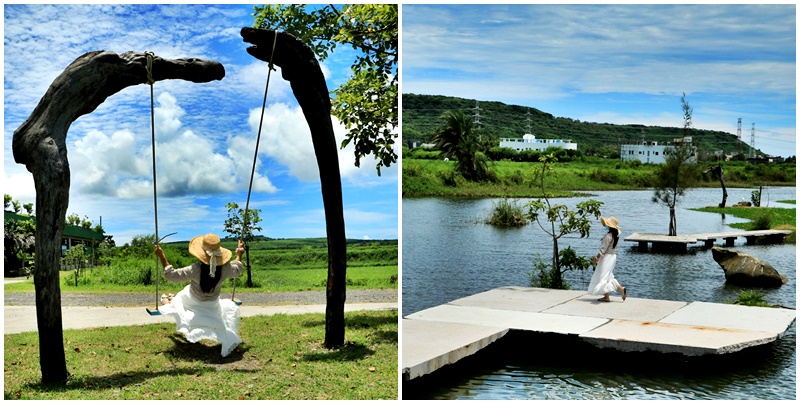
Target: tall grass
[506, 212]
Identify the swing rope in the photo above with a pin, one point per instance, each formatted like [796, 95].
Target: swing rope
[150, 81]
[255, 154]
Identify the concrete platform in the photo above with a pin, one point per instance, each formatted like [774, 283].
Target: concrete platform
[442, 335]
[708, 239]
[437, 344]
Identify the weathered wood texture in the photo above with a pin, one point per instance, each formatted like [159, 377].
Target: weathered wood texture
[300, 67]
[40, 144]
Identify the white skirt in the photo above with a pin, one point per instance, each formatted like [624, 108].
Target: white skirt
[603, 278]
[217, 320]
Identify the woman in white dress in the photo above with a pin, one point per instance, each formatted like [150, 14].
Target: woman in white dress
[198, 310]
[603, 281]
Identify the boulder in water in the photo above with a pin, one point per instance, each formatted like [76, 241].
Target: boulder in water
[746, 270]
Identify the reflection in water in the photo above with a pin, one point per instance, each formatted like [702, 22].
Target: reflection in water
[448, 253]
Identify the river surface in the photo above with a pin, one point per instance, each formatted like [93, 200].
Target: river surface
[448, 253]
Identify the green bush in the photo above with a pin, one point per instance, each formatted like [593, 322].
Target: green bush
[762, 221]
[506, 212]
[751, 298]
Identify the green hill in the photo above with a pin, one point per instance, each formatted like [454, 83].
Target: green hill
[422, 115]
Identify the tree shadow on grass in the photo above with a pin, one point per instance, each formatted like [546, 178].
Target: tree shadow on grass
[206, 352]
[351, 351]
[117, 380]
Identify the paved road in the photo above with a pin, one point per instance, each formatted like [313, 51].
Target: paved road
[23, 318]
[89, 310]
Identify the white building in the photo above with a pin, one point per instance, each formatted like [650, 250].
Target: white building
[649, 152]
[529, 142]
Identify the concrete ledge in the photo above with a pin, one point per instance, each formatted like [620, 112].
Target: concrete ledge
[519, 298]
[518, 320]
[430, 345]
[735, 317]
[636, 336]
[631, 309]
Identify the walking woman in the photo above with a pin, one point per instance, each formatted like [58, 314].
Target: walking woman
[603, 281]
[198, 310]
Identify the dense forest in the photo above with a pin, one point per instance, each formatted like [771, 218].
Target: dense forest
[422, 115]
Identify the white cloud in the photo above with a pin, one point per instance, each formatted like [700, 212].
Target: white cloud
[286, 138]
[186, 162]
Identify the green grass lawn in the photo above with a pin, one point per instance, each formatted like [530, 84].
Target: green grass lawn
[282, 358]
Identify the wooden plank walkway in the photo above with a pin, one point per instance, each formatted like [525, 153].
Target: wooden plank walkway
[681, 242]
[442, 335]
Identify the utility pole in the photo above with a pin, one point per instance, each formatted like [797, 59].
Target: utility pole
[739, 137]
[528, 124]
[477, 116]
[753, 141]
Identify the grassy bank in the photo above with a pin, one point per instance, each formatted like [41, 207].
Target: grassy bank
[282, 358]
[434, 177]
[760, 218]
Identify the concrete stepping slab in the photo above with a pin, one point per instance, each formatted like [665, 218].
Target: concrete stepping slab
[465, 325]
[518, 320]
[429, 345]
[766, 319]
[631, 309]
[519, 298]
[637, 336]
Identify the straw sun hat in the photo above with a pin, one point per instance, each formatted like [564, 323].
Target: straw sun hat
[610, 222]
[203, 247]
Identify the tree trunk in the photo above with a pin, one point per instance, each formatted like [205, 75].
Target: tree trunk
[673, 222]
[40, 144]
[720, 174]
[557, 282]
[300, 67]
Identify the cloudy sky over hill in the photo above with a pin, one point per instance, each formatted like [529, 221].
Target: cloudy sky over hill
[615, 63]
[205, 132]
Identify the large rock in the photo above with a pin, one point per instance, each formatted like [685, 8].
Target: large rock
[746, 270]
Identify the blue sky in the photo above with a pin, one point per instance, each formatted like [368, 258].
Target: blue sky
[205, 133]
[623, 64]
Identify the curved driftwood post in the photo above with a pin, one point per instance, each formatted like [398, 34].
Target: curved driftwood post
[719, 172]
[300, 67]
[40, 144]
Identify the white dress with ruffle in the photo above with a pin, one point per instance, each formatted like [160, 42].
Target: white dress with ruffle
[603, 278]
[204, 315]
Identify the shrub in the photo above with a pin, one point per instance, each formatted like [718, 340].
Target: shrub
[506, 213]
[516, 177]
[762, 221]
[543, 276]
[751, 298]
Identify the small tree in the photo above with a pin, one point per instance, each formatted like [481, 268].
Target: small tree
[236, 227]
[18, 245]
[679, 171]
[559, 221]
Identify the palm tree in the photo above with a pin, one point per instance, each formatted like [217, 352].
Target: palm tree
[458, 138]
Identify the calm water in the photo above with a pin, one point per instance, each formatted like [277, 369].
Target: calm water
[448, 253]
